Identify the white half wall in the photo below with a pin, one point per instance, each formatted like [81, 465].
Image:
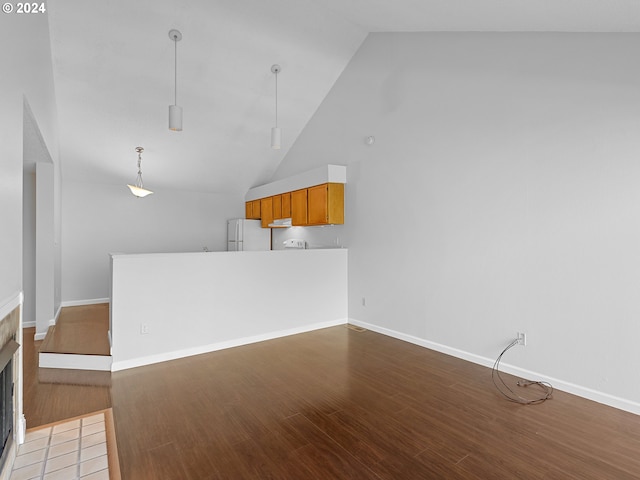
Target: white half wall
[99, 219]
[501, 195]
[193, 303]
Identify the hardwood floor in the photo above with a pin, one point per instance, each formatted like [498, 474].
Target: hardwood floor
[341, 404]
[81, 330]
[48, 401]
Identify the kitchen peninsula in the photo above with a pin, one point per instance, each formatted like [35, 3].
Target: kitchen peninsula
[173, 305]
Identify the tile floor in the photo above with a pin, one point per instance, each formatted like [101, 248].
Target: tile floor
[71, 450]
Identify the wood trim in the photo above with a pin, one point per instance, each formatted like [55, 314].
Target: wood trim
[112, 446]
[110, 433]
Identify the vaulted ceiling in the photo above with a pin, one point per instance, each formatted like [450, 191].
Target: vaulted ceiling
[114, 74]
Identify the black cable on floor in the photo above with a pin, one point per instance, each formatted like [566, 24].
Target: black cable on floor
[508, 393]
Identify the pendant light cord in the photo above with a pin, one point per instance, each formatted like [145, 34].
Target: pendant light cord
[175, 70]
[276, 99]
[139, 180]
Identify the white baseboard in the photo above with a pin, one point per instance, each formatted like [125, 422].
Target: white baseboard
[39, 336]
[79, 303]
[584, 392]
[74, 361]
[54, 320]
[21, 432]
[188, 352]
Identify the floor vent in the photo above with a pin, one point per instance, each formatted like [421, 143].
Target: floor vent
[355, 328]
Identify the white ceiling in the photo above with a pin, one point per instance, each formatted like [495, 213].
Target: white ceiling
[114, 74]
[489, 15]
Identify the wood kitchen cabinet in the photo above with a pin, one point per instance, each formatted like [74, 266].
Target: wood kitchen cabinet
[286, 205]
[252, 210]
[255, 209]
[325, 204]
[248, 210]
[266, 211]
[319, 205]
[277, 206]
[299, 207]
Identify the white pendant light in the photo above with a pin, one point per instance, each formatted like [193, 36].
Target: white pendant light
[276, 134]
[175, 110]
[138, 189]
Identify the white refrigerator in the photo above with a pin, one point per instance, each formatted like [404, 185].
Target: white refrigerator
[246, 235]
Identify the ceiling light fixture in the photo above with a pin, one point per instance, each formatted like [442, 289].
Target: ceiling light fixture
[138, 189]
[275, 131]
[175, 111]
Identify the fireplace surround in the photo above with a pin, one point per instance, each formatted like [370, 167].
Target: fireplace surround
[11, 427]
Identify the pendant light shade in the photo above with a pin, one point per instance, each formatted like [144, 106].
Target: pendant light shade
[138, 189]
[275, 138]
[175, 118]
[276, 134]
[175, 111]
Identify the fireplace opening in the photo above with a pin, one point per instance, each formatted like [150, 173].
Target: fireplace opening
[6, 415]
[6, 397]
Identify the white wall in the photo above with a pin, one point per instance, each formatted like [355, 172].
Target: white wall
[198, 302]
[501, 195]
[29, 248]
[26, 70]
[325, 236]
[99, 219]
[26, 75]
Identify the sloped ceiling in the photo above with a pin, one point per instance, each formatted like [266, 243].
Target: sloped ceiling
[114, 78]
[114, 74]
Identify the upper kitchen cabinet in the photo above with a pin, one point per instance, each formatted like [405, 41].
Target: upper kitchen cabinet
[299, 207]
[315, 197]
[252, 210]
[286, 205]
[266, 211]
[277, 206]
[325, 204]
[255, 209]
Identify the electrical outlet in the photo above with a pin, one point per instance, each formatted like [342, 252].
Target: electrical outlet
[144, 328]
[522, 339]
[364, 302]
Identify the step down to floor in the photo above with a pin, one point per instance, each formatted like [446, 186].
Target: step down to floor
[65, 376]
[79, 340]
[75, 361]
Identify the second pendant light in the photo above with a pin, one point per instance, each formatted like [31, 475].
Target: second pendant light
[175, 110]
